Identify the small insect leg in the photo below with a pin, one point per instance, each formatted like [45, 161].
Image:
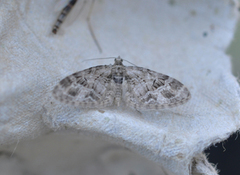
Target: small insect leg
[90, 28]
[65, 11]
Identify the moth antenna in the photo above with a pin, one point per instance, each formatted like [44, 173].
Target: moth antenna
[128, 62]
[108, 58]
[98, 59]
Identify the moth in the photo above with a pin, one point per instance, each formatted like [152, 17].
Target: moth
[107, 85]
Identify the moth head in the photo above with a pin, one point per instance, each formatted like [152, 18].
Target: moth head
[118, 61]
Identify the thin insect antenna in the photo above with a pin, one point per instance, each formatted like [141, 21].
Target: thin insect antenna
[90, 28]
[65, 11]
[108, 58]
[99, 58]
[128, 62]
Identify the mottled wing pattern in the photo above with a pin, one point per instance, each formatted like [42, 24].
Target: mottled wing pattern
[147, 89]
[90, 88]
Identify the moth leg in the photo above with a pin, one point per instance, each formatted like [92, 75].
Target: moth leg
[91, 29]
[65, 11]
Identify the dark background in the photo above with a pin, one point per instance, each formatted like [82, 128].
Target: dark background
[226, 155]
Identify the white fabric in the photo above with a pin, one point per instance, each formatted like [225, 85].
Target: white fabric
[183, 39]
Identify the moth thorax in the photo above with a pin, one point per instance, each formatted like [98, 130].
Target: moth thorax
[118, 74]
